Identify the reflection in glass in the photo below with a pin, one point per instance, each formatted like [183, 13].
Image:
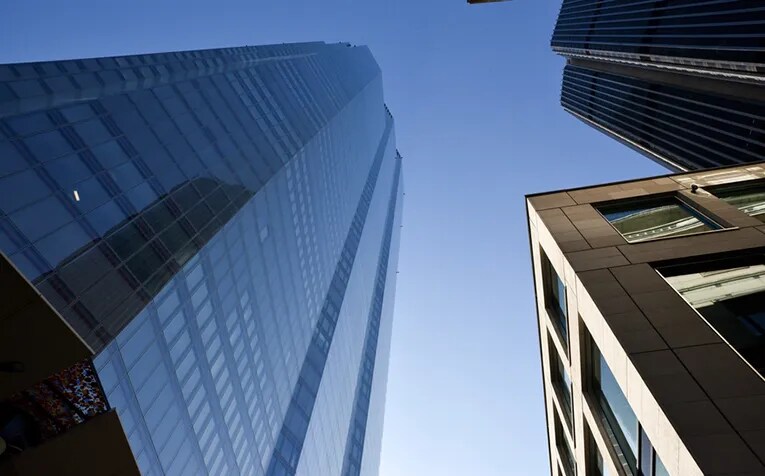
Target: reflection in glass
[654, 219]
[620, 421]
[750, 200]
[730, 294]
[215, 203]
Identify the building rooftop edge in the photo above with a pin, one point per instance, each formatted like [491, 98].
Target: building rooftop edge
[637, 179]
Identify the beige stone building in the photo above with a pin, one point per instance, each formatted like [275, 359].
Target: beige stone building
[651, 311]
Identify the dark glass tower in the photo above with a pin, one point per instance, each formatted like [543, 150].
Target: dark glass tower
[681, 82]
[221, 227]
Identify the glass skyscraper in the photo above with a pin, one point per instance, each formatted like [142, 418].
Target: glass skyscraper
[221, 227]
[680, 82]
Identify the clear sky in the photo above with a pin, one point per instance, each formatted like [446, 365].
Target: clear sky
[474, 90]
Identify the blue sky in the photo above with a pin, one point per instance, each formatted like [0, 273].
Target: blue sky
[474, 90]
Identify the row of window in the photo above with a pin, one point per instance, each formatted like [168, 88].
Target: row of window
[719, 30]
[630, 447]
[728, 293]
[132, 184]
[693, 129]
[354, 448]
[294, 429]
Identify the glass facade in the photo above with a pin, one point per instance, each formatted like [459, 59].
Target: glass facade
[678, 81]
[211, 222]
[719, 34]
[654, 219]
[691, 129]
[730, 295]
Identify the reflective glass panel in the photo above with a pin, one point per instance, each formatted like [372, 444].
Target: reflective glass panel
[653, 219]
[750, 200]
[212, 223]
[730, 294]
[616, 413]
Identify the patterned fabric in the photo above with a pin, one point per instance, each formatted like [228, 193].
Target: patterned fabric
[63, 400]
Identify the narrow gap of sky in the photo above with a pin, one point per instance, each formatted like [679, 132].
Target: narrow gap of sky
[474, 90]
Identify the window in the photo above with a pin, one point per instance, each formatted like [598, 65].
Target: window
[29, 222]
[564, 450]
[562, 385]
[730, 295]
[747, 197]
[631, 446]
[555, 298]
[20, 190]
[595, 462]
[653, 219]
[48, 145]
[650, 464]
[12, 159]
[616, 415]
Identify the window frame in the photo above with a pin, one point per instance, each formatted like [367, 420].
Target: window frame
[714, 263]
[568, 463]
[693, 210]
[559, 317]
[741, 186]
[603, 423]
[558, 381]
[592, 453]
[644, 451]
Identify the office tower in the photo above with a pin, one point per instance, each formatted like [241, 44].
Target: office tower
[221, 228]
[681, 83]
[650, 301]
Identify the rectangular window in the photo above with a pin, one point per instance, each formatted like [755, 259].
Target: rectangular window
[567, 460]
[555, 298]
[630, 445]
[562, 385]
[617, 417]
[747, 197]
[595, 462]
[655, 218]
[730, 295]
[650, 464]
